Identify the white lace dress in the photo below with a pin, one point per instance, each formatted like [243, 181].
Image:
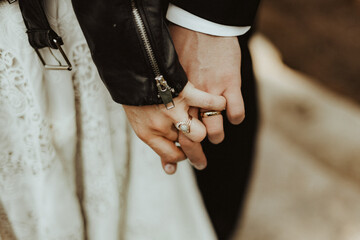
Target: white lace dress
[70, 166]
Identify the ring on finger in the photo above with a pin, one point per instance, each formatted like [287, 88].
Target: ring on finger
[210, 114]
[184, 126]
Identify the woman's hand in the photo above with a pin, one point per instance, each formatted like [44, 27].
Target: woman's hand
[154, 125]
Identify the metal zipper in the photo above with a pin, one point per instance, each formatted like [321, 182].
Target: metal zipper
[164, 90]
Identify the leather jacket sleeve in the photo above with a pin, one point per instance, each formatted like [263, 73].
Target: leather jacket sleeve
[125, 48]
[227, 12]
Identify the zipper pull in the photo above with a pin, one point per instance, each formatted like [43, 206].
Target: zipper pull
[165, 92]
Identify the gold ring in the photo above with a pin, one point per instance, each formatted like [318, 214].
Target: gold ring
[210, 114]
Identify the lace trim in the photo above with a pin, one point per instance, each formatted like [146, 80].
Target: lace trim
[18, 114]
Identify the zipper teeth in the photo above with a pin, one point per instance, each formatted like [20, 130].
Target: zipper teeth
[144, 37]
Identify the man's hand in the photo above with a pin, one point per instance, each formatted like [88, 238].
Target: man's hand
[212, 64]
[154, 124]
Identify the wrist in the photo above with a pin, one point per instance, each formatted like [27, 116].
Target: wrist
[197, 39]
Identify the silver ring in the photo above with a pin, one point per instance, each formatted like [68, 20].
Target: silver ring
[184, 126]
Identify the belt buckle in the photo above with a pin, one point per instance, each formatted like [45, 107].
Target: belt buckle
[68, 65]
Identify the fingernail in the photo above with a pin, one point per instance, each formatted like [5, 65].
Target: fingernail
[199, 166]
[169, 168]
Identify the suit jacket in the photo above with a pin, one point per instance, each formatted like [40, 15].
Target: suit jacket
[227, 12]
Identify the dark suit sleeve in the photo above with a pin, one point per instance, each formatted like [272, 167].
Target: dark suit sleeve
[227, 12]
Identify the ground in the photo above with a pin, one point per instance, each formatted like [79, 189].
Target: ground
[320, 38]
[306, 180]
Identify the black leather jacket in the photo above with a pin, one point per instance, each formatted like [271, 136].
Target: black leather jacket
[132, 48]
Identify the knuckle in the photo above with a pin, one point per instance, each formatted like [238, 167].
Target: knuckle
[200, 137]
[222, 102]
[144, 136]
[172, 136]
[209, 102]
[157, 126]
[239, 116]
[216, 139]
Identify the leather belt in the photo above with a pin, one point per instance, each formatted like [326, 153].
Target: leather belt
[40, 34]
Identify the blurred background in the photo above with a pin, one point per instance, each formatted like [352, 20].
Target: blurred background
[306, 182]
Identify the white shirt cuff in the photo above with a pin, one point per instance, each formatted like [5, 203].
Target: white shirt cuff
[190, 21]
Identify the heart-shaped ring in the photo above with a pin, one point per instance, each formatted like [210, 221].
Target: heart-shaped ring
[184, 126]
